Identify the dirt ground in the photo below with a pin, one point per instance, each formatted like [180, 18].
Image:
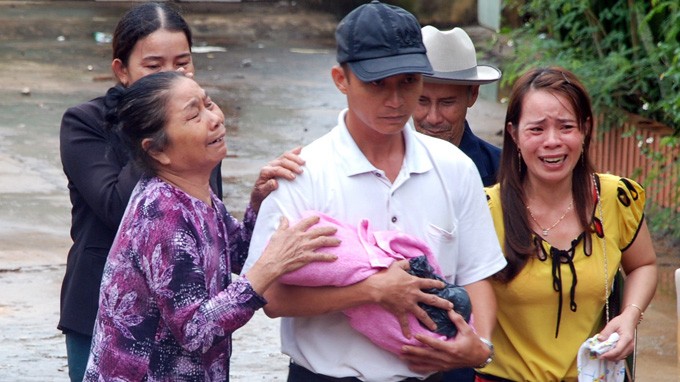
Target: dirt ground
[273, 81]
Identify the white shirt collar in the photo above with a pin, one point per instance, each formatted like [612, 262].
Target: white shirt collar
[354, 162]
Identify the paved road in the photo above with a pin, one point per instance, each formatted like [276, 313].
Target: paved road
[276, 98]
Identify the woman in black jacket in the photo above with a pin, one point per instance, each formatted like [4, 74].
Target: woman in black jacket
[149, 38]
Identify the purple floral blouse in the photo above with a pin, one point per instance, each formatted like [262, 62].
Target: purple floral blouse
[167, 306]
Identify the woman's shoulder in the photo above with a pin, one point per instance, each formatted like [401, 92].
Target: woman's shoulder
[615, 183]
[493, 193]
[91, 107]
[624, 194]
[85, 118]
[155, 199]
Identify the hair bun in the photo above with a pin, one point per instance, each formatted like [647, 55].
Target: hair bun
[111, 101]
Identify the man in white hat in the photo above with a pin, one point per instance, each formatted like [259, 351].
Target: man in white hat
[450, 91]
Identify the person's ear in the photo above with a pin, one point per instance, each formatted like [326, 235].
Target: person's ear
[588, 126]
[339, 78]
[158, 155]
[120, 71]
[472, 95]
[511, 132]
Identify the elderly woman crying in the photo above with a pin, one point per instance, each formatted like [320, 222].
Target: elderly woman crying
[167, 304]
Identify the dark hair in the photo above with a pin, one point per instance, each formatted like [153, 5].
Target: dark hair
[140, 112]
[518, 245]
[142, 20]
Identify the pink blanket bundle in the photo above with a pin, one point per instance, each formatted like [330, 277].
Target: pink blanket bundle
[363, 253]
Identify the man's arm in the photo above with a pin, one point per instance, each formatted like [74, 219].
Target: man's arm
[483, 307]
[393, 288]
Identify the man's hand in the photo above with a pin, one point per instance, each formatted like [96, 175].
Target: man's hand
[463, 350]
[399, 292]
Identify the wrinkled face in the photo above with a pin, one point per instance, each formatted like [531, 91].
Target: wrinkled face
[442, 109]
[161, 51]
[549, 137]
[383, 106]
[195, 129]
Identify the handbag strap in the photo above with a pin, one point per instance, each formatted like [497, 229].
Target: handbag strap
[631, 360]
[598, 204]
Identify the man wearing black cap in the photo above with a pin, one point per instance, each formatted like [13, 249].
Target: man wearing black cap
[371, 167]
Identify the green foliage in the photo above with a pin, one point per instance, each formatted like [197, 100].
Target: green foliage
[627, 52]
[663, 222]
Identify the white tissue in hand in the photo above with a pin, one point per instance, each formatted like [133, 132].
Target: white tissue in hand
[591, 368]
[601, 347]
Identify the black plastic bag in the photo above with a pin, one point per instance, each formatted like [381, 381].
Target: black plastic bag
[456, 294]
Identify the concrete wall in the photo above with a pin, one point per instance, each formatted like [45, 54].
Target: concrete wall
[436, 12]
[445, 12]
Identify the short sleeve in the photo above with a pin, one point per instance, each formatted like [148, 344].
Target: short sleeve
[631, 208]
[493, 198]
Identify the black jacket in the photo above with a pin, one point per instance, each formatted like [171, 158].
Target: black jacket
[486, 156]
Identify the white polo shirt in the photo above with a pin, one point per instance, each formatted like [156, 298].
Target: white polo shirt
[437, 196]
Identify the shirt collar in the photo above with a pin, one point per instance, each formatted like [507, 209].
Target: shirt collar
[353, 161]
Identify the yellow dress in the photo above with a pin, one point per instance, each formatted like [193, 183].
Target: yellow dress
[530, 345]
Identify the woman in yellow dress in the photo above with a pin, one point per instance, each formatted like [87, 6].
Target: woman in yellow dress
[565, 231]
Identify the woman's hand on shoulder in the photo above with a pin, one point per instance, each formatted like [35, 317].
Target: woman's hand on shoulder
[186, 73]
[289, 249]
[286, 166]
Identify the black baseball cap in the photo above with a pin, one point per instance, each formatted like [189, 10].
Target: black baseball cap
[380, 40]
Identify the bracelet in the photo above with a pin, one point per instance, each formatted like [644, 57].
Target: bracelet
[491, 353]
[642, 313]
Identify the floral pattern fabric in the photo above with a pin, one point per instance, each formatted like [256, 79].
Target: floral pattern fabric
[167, 306]
[591, 368]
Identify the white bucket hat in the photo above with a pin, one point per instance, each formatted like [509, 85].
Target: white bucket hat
[454, 60]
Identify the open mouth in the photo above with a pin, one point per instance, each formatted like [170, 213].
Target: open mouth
[218, 140]
[554, 160]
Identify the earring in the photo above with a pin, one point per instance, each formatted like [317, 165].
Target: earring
[583, 154]
[519, 161]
